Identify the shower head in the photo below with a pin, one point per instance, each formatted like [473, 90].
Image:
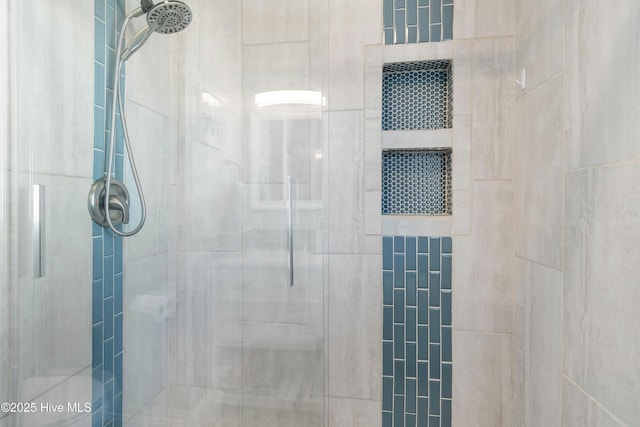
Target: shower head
[166, 17]
[169, 17]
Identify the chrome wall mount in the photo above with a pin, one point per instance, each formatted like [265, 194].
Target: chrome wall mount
[166, 17]
[118, 205]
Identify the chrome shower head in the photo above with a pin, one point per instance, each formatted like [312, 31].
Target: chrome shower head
[166, 17]
[169, 17]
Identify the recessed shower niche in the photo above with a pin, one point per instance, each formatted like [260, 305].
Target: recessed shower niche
[416, 182]
[417, 95]
[416, 125]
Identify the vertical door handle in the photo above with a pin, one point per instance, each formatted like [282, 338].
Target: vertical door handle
[38, 230]
[290, 227]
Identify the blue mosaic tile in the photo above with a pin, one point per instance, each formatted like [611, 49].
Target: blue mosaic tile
[417, 95]
[387, 419]
[387, 323]
[398, 411]
[387, 394]
[412, 360]
[434, 325]
[387, 253]
[416, 182]
[412, 34]
[445, 418]
[398, 341]
[399, 26]
[411, 288]
[400, 14]
[107, 304]
[398, 306]
[387, 358]
[423, 379]
[387, 13]
[447, 22]
[434, 289]
[423, 409]
[398, 377]
[434, 397]
[434, 361]
[423, 343]
[411, 253]
[447, 381]
[423, 307]
[447, 347]
[411, 396]
[434, 254]
[411, 324]
[417, 332]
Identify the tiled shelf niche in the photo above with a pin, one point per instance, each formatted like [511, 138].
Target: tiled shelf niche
[416, 140]
[417, 95]
[416, 182]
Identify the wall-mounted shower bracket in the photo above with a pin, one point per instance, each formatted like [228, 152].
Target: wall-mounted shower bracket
[118, 202]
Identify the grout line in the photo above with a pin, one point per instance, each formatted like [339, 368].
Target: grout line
[592, 399]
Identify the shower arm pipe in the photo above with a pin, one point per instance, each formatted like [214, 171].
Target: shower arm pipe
[117, 102]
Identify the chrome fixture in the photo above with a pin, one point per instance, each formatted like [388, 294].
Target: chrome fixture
[166, 17]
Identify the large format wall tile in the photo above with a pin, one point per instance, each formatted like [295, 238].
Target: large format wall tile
[539, 338]
[579, 409]
[484, 281]
[482, 388]
[600, 299]
[601, 108]
[539, 171]
[539, 33]
[344, 412]
[55, 87]
[346, 216]
[354, 326]
[208, 310]
[350, 29]
[493, 106]
[266, 22]
[146, 308]
[495, 18]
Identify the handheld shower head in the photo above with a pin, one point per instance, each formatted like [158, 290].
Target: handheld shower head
[169, 16]
[166, 17]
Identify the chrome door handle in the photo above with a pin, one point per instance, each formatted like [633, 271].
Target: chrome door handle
[290, 227]
[38, 230]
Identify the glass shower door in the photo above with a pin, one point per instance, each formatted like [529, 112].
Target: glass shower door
[45, 255]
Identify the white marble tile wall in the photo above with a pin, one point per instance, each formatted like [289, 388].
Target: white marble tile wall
[483, 218]
[577, 167]
[482, 389]
[354, 219]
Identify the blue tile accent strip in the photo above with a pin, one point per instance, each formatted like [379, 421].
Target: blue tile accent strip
[421, 20]
[417, 333]
[107, 318]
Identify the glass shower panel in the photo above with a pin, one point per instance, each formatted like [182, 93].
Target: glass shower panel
[45, 183]
[283, 347]
[282, 322]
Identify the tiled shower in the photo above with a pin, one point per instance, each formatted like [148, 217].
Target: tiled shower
[463, 249]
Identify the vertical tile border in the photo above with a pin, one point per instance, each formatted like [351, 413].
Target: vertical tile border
[417, 21]
[107, 297]
[417, 331]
